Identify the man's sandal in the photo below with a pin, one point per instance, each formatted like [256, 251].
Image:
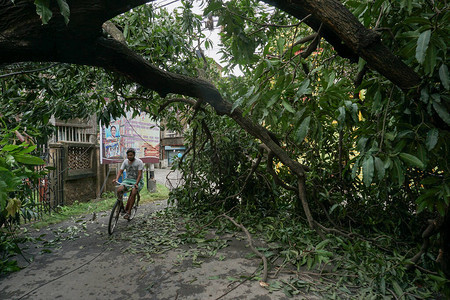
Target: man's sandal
[126, 216]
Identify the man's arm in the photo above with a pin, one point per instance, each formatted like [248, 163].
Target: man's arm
[138, 178]
[118, 176]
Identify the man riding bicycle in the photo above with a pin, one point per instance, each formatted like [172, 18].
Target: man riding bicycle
[134, 167]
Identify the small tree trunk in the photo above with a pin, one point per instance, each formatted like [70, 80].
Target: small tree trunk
[341, 136]
[444, 254]
[304, 202]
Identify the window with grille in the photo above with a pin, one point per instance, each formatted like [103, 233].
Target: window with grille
[79, 158]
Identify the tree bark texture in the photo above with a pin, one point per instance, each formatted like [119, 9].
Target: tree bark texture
[350, 38]
[445, 244]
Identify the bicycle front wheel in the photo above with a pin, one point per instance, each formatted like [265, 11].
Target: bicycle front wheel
[114, 217]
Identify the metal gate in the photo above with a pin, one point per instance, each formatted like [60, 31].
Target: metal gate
[48, 191]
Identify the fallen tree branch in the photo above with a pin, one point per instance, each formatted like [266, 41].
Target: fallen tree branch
[313, 45]
[274, 175]
[115, 32]
[29, 71]
[250, 243]
[235, 287]
[432, 228]
[254, 167]
[305, 205]
[175, 100]
[210, 137]
[300, 41]
[184, 155]
[349, 235]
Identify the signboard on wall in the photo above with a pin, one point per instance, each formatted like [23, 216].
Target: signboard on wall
[140, 133]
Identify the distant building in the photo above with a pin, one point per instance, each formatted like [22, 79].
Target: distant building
[172, 146]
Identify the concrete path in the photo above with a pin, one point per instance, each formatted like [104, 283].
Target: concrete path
[168, 177]
[87, 263]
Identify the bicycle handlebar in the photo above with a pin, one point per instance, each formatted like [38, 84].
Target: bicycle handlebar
[124, 184]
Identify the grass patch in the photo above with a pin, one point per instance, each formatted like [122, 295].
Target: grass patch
[104, 204]
[162, 192]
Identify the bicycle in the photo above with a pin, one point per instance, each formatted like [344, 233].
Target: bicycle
[119, 208]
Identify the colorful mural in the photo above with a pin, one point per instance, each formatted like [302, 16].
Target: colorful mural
[140, 133]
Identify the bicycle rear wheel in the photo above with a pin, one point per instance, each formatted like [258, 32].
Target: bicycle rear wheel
[135, 207]
[114, 217]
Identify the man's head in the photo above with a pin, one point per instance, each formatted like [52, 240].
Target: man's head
[131, 153]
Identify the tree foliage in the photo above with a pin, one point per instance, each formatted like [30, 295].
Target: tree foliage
[341, 117]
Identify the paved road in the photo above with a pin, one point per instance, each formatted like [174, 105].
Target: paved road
[168, 177]
[87, 263]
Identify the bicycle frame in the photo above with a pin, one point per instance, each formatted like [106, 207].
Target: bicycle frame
[119, 207]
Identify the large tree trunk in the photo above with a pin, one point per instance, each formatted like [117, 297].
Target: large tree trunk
[24, 38]
[350, 38]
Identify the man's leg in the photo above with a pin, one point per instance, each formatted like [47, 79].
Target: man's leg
[130, 201]
[120, 192]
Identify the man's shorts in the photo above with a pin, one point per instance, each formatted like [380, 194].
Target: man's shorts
[129, 181]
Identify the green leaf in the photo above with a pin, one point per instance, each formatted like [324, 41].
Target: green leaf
[400, 145]
[383, 286]
[258, 71]
[387, 163]
[341, 116]
[379, 166]
[303, 129]
[442, 112]
[432, 138]
[28, 149]
[437, 278]
[440, 208]
[368, 170]
[280, 44]
[417, 20]
[64, 9]
[237, 103]
[422, 153]
[443, 75]
[424, 95]
[299, 114]
[213, 6]
[272, 101]
[29, 159]
[333, 208]
[422, 45]
[9, 148]
[398, 290]
[430, 180]
[252, 100]
[43, 10]
[331, 80]
[304, 88]
[288, 106]
[355, 112]
[361, 145]
[398, 171]
[322, 244]
[412, 160]
[429, 64]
